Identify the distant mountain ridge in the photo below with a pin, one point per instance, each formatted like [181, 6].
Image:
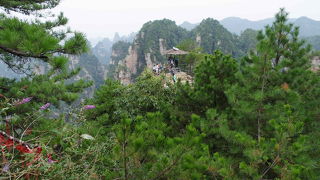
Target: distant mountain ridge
[188, 26]
[308, 26]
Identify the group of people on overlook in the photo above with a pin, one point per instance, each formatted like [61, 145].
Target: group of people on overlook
[173, 62]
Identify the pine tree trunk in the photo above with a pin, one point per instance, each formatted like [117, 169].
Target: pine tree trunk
[124, 150]
[262, 93]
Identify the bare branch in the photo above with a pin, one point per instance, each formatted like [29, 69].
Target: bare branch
[15, 139]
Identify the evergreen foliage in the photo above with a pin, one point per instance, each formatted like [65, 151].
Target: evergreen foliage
[28, 6]
[188, 62]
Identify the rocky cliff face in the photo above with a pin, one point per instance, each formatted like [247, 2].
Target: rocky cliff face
[117, 66]
[129, 65]
[315, 62]
[134, 62]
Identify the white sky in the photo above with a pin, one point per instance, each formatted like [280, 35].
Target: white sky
[102, 18]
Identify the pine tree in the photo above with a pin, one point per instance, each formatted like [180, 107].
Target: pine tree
[25, 44]
[266, 128]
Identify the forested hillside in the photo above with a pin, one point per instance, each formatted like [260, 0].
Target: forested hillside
[252, 115]
[211, 36]
[314, 41]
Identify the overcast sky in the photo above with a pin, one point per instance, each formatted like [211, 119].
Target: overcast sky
[102, 18]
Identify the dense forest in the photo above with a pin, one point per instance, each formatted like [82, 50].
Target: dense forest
[254, 117]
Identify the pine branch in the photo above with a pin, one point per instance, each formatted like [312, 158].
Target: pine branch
[27, 6]
[22, 54]
[264, 78]
[4, 88]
